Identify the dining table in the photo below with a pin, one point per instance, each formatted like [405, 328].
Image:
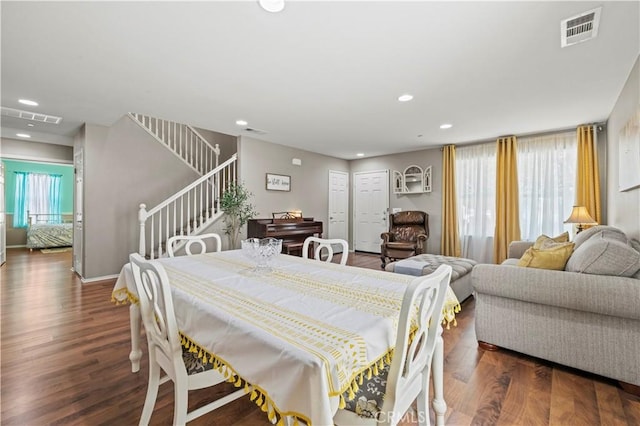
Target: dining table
[301, 332]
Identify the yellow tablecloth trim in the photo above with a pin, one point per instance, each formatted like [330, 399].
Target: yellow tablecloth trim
[258, 395]
[123, 296]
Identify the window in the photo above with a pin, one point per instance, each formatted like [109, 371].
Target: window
[546, 188]
[476, 197]
[546, 183]
[37, 193]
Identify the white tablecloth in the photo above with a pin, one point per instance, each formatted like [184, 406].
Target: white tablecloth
[300, 334]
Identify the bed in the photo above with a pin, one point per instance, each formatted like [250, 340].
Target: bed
[48, 231]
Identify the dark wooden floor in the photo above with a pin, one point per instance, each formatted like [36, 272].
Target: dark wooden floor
[65, 361]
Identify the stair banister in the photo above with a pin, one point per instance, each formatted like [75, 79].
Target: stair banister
[220, 176]
[142, 218]
[182, 140]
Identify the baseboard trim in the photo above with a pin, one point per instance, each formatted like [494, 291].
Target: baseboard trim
[97, 279]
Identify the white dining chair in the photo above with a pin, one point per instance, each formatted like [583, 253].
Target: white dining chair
[165, 350]
[186, 241]
[326, 244]
[410, 368]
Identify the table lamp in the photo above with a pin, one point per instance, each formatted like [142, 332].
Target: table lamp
[581, 216]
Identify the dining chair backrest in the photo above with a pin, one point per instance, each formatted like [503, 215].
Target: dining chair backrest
[156, 309]
[165, 351]
[419, 329]
[186, 241]
[321, 244]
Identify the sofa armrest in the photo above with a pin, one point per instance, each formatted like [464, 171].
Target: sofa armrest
[600, 294]
[386, 237]
[517, 249]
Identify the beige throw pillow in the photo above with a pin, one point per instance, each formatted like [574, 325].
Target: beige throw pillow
[548, 253]
[542, 239]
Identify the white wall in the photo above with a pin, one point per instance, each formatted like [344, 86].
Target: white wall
[623, 208]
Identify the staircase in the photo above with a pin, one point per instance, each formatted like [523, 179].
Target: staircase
[195, 207]
[183, 140]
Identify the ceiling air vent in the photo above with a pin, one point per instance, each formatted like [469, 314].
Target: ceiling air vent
[32, 116]
[580, 28]
[255, 131]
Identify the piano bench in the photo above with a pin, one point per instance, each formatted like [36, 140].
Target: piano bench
[294, 247]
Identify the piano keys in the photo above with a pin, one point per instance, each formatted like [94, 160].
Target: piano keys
[293, 232]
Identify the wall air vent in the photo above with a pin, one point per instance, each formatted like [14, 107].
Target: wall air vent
[254, 131]
[580, 28]
[32, 116]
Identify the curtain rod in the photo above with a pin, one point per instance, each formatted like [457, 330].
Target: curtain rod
[601, 126]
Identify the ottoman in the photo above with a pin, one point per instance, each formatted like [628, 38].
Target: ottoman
[424, 264]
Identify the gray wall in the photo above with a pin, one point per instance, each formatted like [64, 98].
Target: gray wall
[123, 167]
[35, 151]
[430, 202]
[623, 208]
[309, 182]
[228, 144]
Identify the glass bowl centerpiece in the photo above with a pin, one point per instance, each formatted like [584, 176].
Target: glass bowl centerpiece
[261, 251]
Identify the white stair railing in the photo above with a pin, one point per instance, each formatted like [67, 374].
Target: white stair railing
[183, 140]
[186, 212]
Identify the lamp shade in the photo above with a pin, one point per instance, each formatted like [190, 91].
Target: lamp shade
[580, 215]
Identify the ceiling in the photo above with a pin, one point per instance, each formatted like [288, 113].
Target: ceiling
[322, 76]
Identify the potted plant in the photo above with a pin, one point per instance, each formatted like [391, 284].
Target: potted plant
[238, 210]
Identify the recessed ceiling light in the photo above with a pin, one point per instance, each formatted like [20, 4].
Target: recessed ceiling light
[360, 154]
[241, 122]
[272, 6]
[405, 98]
[30, 124]
[28, 102]
[23, 135]
[446, 126]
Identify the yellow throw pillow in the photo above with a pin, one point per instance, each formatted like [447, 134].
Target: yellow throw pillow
[542, 239]
[550, 255]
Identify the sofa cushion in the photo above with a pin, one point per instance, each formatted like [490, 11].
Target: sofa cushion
[549, 255]
[636, 245]
[605, 231]
[542, 239]
[601, 255]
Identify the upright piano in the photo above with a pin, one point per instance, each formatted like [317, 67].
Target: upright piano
[293, 232]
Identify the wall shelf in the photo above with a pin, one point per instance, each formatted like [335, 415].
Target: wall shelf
[414, 180]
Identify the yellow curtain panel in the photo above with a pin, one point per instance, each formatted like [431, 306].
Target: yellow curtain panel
[450, 243]
[587, 174]
[507, 213]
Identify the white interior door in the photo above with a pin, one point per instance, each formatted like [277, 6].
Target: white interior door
[78, 254]
[338, 206]
[371, 207]
[3, 219]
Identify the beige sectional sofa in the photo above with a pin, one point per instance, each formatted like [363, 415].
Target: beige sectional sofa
[586, 316]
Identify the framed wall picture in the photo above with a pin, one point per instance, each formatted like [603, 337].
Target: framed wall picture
[278, 182]
[629, 150]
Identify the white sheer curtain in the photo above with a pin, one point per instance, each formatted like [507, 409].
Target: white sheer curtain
[37, 193]
[475, 190]
[546, 179]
